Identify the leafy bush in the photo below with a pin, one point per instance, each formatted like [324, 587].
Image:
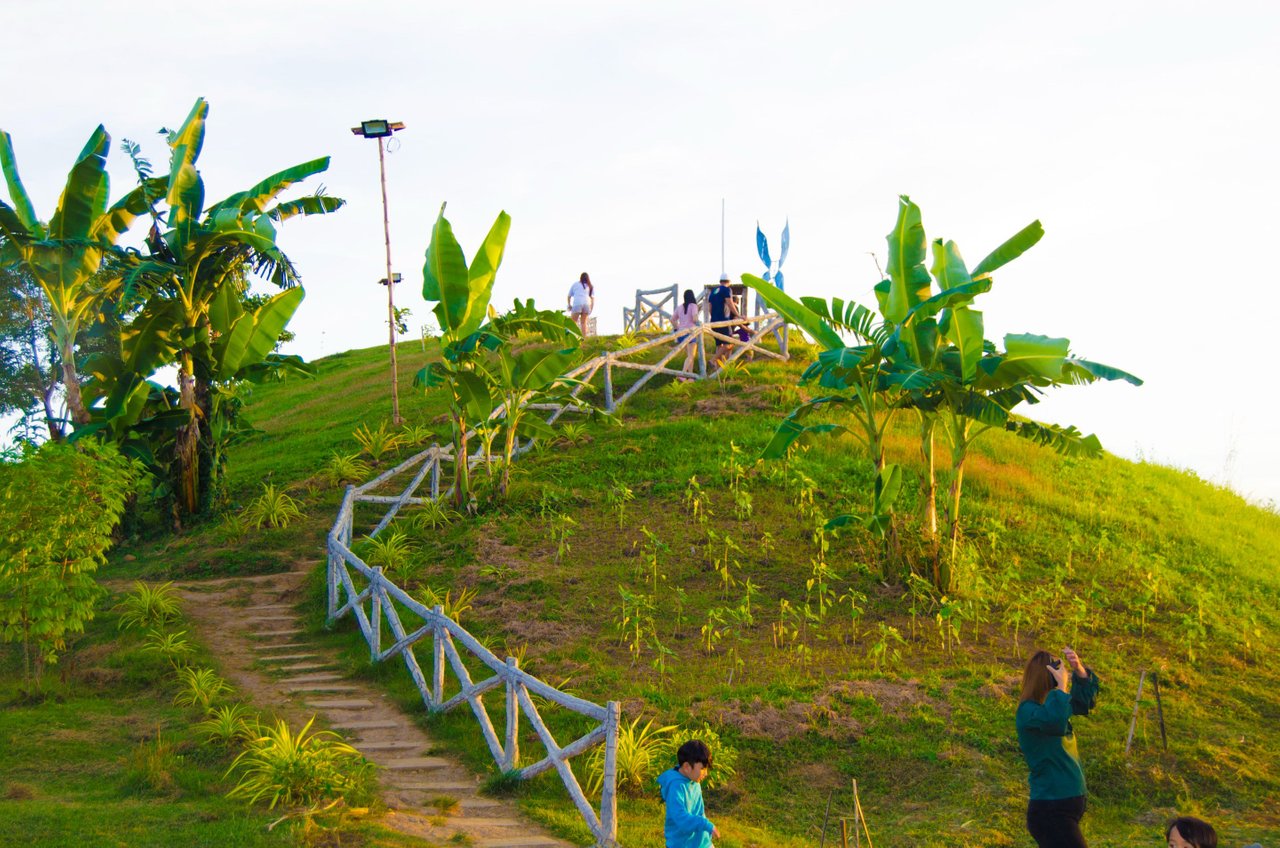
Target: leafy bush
[272, 507]
[149, 607]
[301, 770]
[641, 757]
[724, 756]
[58, 508]
[200, 687]
[433, 515]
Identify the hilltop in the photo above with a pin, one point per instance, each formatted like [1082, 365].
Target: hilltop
[1138, 566]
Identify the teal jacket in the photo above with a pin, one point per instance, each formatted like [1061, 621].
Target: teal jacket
[687, 825]
[1048, 743]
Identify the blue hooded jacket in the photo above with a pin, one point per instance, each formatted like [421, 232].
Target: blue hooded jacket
[686, 825]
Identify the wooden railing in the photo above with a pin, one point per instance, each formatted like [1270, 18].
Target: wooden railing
[651, 311]
[358, 589]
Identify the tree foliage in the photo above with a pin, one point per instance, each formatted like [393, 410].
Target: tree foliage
[58, 509]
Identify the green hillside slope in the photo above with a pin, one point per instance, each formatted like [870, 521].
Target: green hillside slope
[1137, 566]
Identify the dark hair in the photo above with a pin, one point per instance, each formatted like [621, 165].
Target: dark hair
[694, 751]
[1036, 682]
[1199, 833]
[586, 281]
[689, 297]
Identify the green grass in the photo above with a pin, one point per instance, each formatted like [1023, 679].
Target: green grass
[1060, 550]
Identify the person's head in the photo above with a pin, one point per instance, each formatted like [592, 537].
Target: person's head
[694, 760]
[586, 281]
[689, 297]
[724, 279]
[1190, 832]
[1036, 680]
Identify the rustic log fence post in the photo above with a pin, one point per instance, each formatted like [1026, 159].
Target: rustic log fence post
[437, 656]
[609, 785]
[511, 746]
[375, 614]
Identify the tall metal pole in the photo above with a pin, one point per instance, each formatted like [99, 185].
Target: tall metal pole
[722, 236]
[391, 284]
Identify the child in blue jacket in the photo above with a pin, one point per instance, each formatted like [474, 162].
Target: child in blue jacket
[687, 825]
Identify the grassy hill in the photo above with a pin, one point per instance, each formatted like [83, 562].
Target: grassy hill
[1135, 565]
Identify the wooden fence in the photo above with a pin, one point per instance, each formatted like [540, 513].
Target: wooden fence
[358, 589]
[651, 311]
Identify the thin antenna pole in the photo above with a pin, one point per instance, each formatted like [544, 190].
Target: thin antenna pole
[722, 237]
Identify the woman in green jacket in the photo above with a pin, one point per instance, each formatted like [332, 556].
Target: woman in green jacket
[1049, 746]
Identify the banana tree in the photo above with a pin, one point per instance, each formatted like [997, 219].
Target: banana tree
[490, 382]
[929, 355]
[462, 293]
[65, 254]
[198, 266]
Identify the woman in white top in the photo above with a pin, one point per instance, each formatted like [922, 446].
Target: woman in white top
[582, 299]
[686, 318]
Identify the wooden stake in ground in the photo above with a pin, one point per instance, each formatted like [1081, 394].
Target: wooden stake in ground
[859, 817]
[1133, 722]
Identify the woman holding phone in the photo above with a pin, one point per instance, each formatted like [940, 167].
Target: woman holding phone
[1048, 744]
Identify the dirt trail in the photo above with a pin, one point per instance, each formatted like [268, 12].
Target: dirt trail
[252, 627]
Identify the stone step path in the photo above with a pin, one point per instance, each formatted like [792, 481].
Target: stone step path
[252, 626]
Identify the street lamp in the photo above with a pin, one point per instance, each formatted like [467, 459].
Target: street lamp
[381, 129]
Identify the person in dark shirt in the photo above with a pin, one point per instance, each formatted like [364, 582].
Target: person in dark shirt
[1048, 745]
[721, 305]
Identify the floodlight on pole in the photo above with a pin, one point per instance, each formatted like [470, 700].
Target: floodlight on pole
[380, 129]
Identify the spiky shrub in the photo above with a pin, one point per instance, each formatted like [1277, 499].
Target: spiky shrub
[200, 687]
[149, 606]
[573, 433]
[228, 725]
[453, 607]
[376, 443]
[640, 758]
[433, 515]
[417, 434]
[344, 468]
[391, 551]
[174, 647]
[303, 769]
[272, 507]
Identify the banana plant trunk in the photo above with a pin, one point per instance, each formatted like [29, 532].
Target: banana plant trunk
[187, 449]
[71, 382]
[959, 452]
[461, 463]
[929, 497]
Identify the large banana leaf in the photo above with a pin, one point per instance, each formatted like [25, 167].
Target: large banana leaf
[909, 282]
[795, 312]
[948, 265]
[847, 316]
[260, 196]
[22, 208]
[151, 340]
[483, 272]
[186, 188]
[1026, 356]
[84, 198]
[1083, 371]
[473, 395]
[111, 225]
[1065, 440]
[792, 432]
[536, 369]
[963, 328]
[444, 278]
[1018, 244]
[315, 204]
[254, 334]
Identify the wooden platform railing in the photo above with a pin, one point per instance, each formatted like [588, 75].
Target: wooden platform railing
[356, 588]
[651, 309]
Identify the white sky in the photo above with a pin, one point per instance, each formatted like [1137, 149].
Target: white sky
[1142, 134]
